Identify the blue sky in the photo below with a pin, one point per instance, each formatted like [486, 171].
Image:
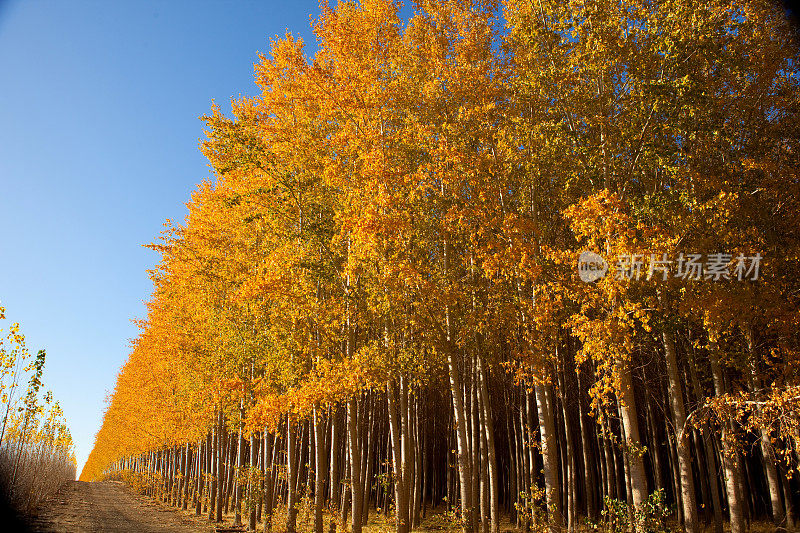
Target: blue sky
[99, 131]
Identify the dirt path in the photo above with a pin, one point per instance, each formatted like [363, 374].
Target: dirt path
[111, 506]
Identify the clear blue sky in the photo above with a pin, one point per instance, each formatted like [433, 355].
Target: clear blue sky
[99, 130]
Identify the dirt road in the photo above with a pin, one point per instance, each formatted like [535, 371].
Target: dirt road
[111, 506]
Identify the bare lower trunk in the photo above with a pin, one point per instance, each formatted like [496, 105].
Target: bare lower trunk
[547, 434]
[251, 517]
[474, 435]
[630, 422]
[320, 470]
[344, 505]
[729, 457]
[367, 463]
[269, 467]
[608, 454]
[356, 483]
[688, 499]
[590, 477]
[462, 443]
[336, 481]
[292, 467]
[407, 444]
[487, 424]
[400, 480]
[237, 505]
[220, 482]
[202, 453]
[569, 458]
[708, 449]
[419, 474]
[457, 395]
[187, 471]
[213, 453]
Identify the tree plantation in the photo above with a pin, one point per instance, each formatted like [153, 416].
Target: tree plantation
[376, 313]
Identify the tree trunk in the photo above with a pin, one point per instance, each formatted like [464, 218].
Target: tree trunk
[270, 448]
[219, 484]
[417, 450]
[630, 422]
[346, 490]
[292, 467]
[487, 424]
[655, 453]
[708, 449]
[320, 470]
[569, 458]
[368, 420]
[187, 471]
[608, 454]
[396, 427]
[474, 441]
[589, 463]
[336, 481]
[251, 517]
[202, 452]
[464, 466]
[767, 454]
[238, 471]
[688, 499]
[356, 484]
[211, 500]
[547, 434]
[729, 457]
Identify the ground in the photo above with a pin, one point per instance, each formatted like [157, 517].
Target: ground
[111, 506]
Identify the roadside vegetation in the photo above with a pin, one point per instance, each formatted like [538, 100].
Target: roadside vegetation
[36, 449]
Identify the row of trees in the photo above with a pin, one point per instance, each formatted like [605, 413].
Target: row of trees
[376, 303]
[36, 450]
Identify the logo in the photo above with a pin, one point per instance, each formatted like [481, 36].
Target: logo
[591, 266]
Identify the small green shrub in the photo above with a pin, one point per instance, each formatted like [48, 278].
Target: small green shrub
[650, 517]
